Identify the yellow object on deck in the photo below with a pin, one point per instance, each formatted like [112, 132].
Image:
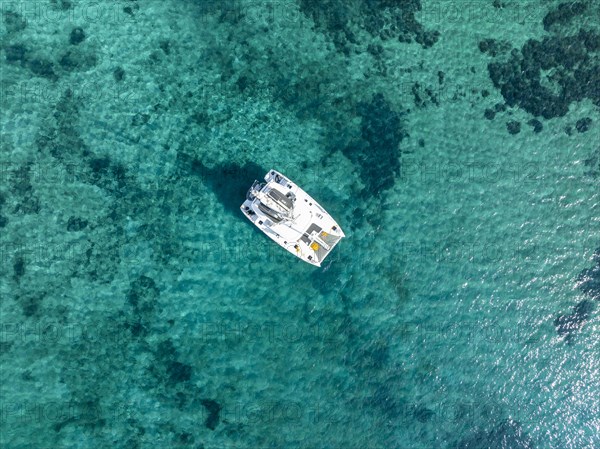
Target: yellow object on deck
[314, 246]
[324, 234]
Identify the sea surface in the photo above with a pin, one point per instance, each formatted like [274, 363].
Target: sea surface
[457, 143]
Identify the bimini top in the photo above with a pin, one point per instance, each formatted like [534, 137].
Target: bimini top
[292, 218]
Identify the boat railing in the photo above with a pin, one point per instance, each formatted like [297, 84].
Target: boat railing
[256, 187]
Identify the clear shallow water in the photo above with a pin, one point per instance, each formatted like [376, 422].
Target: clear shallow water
[140, 310]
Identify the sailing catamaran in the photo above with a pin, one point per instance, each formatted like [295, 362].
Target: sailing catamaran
[292, 218]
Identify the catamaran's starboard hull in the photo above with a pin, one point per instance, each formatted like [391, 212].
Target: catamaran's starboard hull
[292, 218]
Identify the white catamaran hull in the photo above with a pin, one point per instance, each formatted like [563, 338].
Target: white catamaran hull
[292, 218]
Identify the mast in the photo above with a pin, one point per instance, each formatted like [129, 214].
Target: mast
[274, 204]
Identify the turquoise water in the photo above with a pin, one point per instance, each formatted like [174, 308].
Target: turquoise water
[456, 143]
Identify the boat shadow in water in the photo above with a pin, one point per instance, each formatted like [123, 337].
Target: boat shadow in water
[229, 182]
